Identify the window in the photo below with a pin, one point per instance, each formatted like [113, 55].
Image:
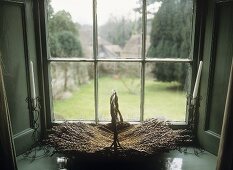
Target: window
[140, 48]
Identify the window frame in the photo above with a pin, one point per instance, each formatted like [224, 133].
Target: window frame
[46, 60]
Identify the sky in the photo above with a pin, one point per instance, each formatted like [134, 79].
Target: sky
[81, 10]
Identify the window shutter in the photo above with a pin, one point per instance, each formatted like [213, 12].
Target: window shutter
[17, 44]
[217, 56]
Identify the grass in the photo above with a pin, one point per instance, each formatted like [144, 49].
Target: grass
[163, 100]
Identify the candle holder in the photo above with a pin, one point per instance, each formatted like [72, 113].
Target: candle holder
[193, 108]
[34, 106]
[194, 104]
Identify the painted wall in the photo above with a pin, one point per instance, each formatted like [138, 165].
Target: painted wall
[17, 46]
[217, 57]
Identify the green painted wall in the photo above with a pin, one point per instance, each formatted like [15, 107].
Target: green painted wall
[217, 56]
[17, 47]
[13, 54]
[224, 53]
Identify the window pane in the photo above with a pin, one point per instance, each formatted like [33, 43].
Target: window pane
[166, 87]
[70, 28]
[125, 79]
[169, 26]
[119, 29]
[73, 91]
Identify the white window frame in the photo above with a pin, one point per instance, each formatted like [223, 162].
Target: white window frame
[95, 60]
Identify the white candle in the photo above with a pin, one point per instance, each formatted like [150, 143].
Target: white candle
[32, 81]
[195, 91]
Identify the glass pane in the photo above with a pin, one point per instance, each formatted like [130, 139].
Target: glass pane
[169, 27]
[166, 86]
[70, 27]
[119, 29]
[73, 90]
[124, 78]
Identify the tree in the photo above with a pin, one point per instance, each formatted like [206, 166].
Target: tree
[63, 38]
[170, 37]
[61, 21]
[69, 46]
[50, 10]
[63, 33]
[117, 30]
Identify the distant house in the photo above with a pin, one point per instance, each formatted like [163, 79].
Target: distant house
[105, 48]
[109, 51]
[132, 47]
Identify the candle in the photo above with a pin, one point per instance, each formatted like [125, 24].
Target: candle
[195, 91]
[32, 81]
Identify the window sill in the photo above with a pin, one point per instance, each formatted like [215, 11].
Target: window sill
[171, 160]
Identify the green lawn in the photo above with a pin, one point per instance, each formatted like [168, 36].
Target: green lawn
[163, 100]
